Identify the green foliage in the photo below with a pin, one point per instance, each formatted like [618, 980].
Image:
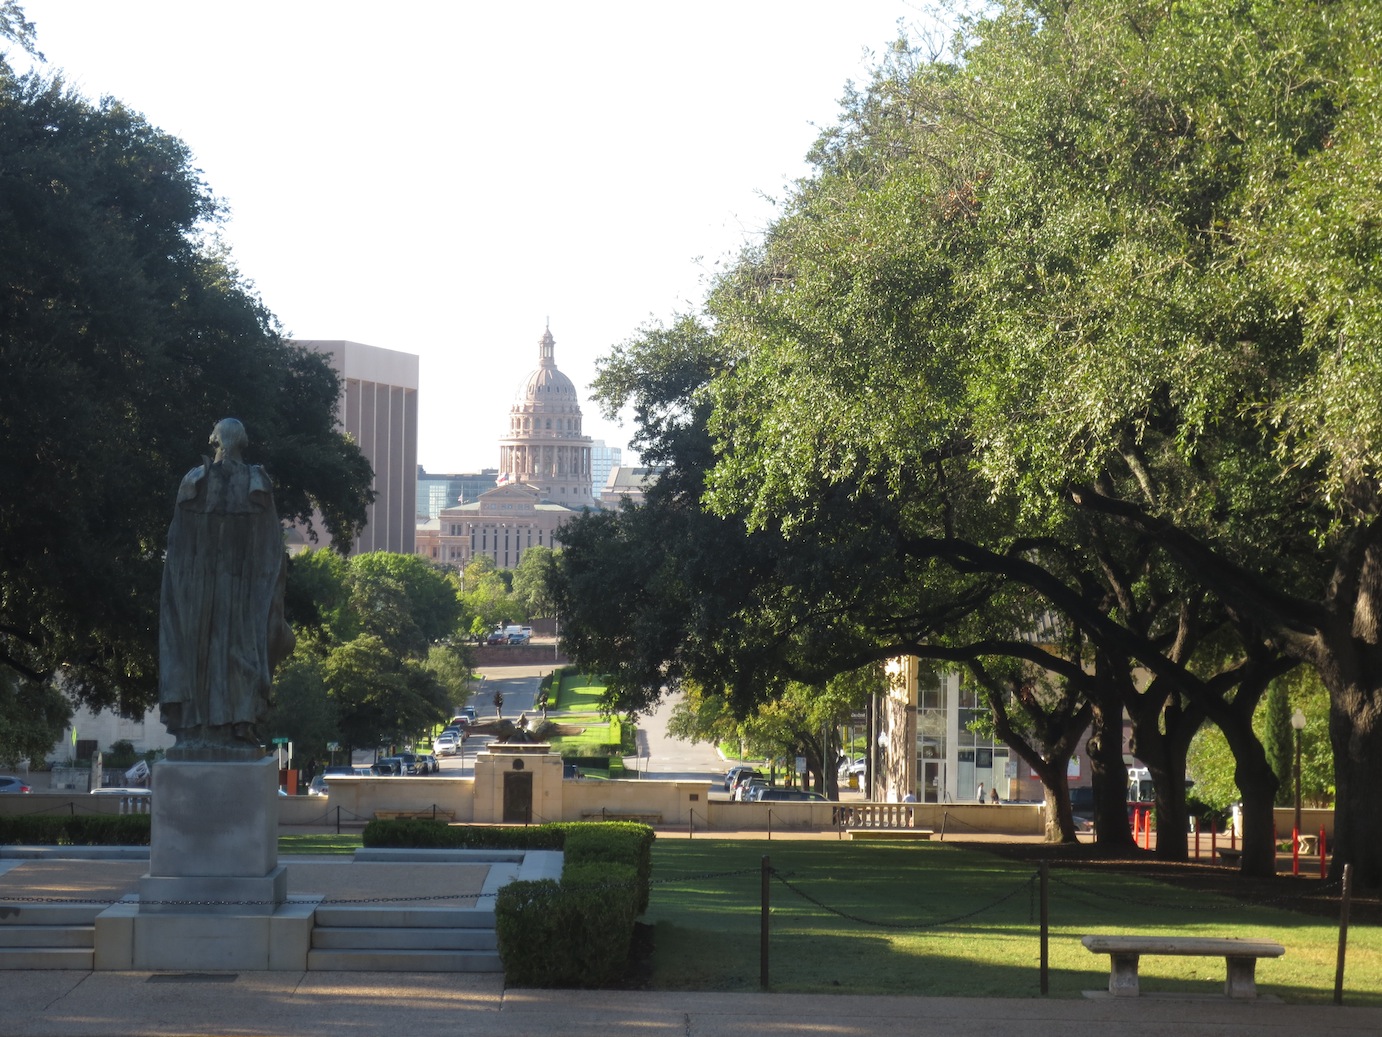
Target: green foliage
[613, 842]
[1278, 738]
[125, 334]
[377, 658]
[1211, 764]
[32, 718]
[575, 933]
[531, 592]
[77, 830]
[486, 592]
[424, 834]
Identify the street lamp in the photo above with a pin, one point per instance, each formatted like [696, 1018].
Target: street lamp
[1298, 725]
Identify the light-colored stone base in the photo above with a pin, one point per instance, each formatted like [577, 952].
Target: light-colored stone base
[127, 938]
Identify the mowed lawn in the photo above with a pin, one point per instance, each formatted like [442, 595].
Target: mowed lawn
[939, 920]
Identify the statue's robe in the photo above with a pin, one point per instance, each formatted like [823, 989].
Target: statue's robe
[221, 628]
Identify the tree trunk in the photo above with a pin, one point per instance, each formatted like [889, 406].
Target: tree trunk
[1257, 783]
[1162, 729]
[1348, 656]
[1060, 822]
[1105, 747]
[1355, 733]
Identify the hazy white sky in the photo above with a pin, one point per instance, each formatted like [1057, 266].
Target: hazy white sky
[441, 178]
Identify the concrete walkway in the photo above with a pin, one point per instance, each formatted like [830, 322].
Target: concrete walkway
[331, 1004]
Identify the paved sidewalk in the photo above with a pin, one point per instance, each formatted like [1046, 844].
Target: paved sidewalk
[335, 1004]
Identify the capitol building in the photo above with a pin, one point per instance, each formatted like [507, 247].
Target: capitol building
[545, 477]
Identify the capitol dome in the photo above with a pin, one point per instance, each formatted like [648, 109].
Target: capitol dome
[545, 446]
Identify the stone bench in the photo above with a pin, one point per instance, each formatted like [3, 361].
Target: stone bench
[430, 814]
[889, 833]
[1241, 955]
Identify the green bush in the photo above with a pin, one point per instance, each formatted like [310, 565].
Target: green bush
[422, 833]
[575, 933]
[82, 830]
[615, 843]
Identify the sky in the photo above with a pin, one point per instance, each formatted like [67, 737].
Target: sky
[449, 178]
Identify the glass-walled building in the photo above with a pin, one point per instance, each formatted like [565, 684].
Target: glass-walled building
[930, 748]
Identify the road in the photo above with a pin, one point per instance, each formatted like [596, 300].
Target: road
[659, 756]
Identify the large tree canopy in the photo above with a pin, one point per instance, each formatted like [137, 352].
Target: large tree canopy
[125, 334]
[1120, 261]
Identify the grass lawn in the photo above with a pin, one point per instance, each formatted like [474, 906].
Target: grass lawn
[580, 693]
[319, 844]
[937, 919]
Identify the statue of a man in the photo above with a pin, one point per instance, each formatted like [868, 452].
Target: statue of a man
[221, 627]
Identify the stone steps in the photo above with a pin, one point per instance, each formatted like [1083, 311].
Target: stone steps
[48, 936]
[402, 939]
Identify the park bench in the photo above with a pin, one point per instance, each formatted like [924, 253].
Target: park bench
[1241, 955]
[889, 833]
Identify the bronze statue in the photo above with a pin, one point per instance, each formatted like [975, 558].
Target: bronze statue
[221, 627]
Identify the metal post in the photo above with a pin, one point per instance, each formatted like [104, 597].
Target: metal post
[1045, 929]
[763, 926]
[1344, 898]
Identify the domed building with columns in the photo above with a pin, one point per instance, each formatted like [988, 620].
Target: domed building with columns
[544, 477]
[545, 447]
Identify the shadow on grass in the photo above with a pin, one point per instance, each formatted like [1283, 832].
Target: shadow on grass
[936, 920]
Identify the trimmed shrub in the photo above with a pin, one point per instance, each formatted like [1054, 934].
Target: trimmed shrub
[576, 932]
[573, 933]
[613, 842]
[425, 834]
[81, 830]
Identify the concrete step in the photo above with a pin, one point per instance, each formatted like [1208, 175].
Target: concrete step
[406, 917]
[17, 913]
[376, 938]
[403, 961]
[20, 936]
[83, 959]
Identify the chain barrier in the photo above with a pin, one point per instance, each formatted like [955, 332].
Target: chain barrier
[1026, 884]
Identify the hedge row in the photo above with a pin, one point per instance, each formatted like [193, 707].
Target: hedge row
[426, 834]
[80, 830]
[576, 932]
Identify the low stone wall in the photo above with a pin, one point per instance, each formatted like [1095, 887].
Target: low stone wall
[518, 655]
[659, 802]
[951, 818]
[361, 799]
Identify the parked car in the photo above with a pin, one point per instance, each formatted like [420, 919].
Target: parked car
[734, 772]
[448, 743]
[857, 767]
[427, 763]
[743, 788]
[388, 766]
[784, 795]
[410, 764]
[9, 783]
[497, 637]
[321, 784]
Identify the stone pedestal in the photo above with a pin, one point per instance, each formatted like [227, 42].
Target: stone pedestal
[215, 896]
[214, 847]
